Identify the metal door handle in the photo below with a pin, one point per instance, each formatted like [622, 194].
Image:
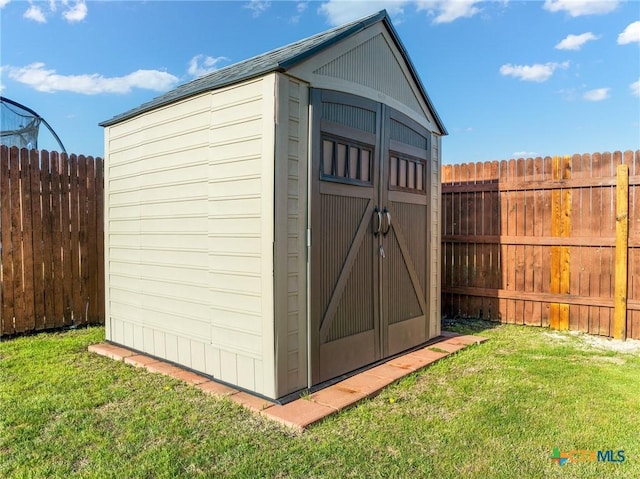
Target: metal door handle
[388, 226]
[376, 230]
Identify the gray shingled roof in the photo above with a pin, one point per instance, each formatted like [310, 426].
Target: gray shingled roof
[279, 59]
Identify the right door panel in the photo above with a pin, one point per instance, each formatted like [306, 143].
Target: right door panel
[405, 267]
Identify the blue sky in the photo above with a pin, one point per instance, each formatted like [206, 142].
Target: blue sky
[508, 78]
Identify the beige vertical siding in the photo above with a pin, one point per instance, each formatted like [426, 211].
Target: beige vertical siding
[189, 228]
[240, 235]
[290, 235]
[156, 197]
[434, 246]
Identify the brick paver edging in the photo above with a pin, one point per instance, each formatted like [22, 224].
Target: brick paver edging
[303, 412]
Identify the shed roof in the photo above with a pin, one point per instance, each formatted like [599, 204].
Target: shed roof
[280, 59]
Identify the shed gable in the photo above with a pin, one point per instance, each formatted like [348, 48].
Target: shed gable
[373, 64]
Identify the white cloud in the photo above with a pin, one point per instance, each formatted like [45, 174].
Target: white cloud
[635, 88]
[537, 72]
[258, 7]
[598, 94]
[3, 3]
[577, 8]
[630, 34]
[300, 9]
[447, 11]
[76, 13]
[524, 154]
[201, 65]
[39, 78]
[35, 13]
[72, 13]
[575, 42]
[338, 12]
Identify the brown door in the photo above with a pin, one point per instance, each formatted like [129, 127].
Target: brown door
[362, 265]
[404, 275]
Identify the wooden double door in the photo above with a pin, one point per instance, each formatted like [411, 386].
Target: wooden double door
[369, 267]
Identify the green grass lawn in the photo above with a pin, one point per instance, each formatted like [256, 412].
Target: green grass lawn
[493, 410]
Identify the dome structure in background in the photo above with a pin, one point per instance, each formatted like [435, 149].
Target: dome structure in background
[20, 126]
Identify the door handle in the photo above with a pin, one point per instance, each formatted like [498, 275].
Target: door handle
[387, 214]
[378, 227]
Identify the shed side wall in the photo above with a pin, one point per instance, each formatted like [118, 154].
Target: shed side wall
[156, 192]
[290, 234]
[190, 231]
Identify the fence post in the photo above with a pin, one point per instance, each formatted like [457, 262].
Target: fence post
[560, 255]
[621, 261]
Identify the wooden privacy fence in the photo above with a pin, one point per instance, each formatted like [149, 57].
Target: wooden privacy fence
[51, 237]
[545, 241]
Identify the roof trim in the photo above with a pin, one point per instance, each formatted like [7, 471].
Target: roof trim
[260, 65]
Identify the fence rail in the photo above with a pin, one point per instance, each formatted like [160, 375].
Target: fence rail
[51, 240]
[545, 242]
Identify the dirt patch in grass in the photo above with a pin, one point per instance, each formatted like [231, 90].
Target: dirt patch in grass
[630, 346]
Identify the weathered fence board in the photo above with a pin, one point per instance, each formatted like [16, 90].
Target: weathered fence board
[51, 261]
[533, 241]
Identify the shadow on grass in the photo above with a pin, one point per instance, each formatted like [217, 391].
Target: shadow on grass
[473, 326]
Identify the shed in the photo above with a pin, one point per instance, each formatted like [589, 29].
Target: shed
[275, 224]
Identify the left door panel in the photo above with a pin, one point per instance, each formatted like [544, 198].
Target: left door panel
[344, 246]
